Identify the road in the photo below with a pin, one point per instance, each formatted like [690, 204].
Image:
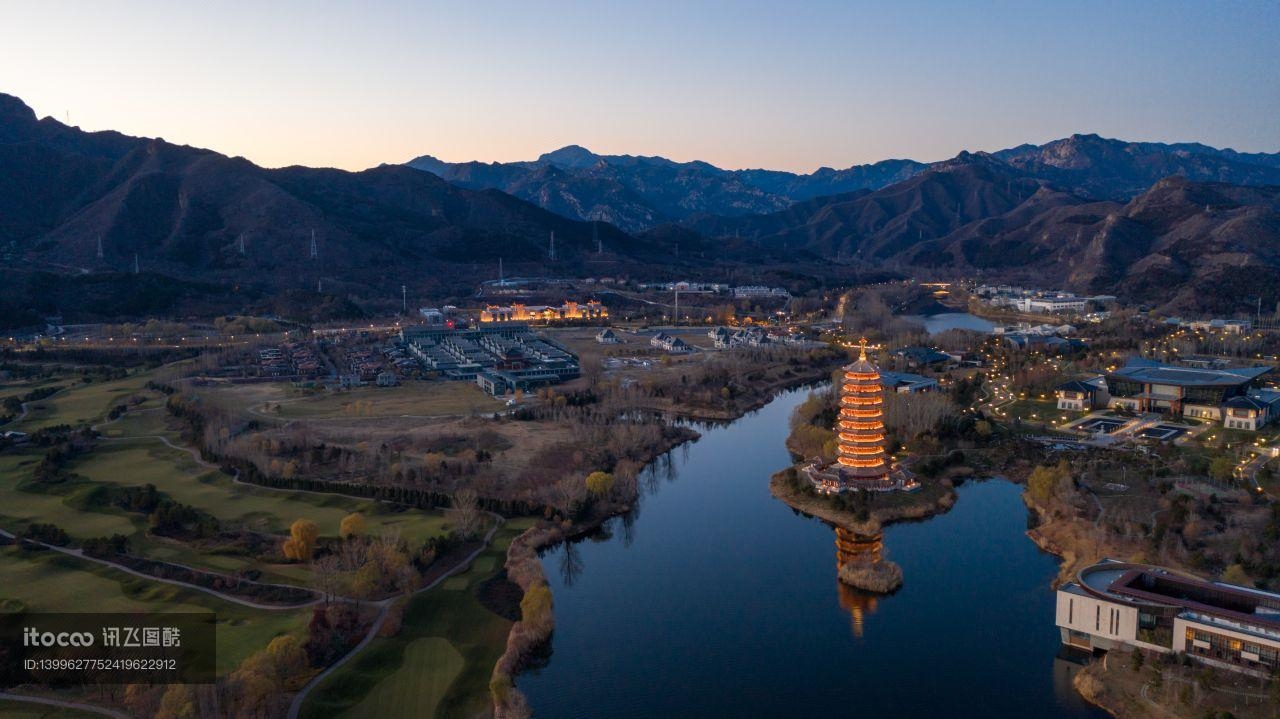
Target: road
[385, 606]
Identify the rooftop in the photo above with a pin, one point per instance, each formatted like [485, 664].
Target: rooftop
[1148, 585]
[1138, 369]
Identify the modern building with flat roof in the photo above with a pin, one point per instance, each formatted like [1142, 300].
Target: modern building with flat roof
[1116, 605]
[1144, 385]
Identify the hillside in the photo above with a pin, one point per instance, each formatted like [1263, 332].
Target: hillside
[1183, 246]
[203, 219]
[1114, 169]
[637, 193]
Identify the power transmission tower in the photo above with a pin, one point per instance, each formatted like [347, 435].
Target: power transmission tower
[551, 251]
[99, 246]
[240, 242]
[404, 300]
[315, 249]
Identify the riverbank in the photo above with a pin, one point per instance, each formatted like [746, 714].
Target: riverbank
[526, 640]
[879, 510]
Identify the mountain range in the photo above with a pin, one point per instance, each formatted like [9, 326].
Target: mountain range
[639, 193]
[103, 225]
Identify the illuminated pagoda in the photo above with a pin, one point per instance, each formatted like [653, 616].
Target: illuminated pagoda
[860, 426]
[861, 461]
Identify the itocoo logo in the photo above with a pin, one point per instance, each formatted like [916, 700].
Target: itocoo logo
[32, 637]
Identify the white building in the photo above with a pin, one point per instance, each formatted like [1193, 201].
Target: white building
[1065, 303]
[1116, 605]
[759, 291]
[674, 345]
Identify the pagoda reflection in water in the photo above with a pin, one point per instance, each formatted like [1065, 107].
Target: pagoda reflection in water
[852, 547]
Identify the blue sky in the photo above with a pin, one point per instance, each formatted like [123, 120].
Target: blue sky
[739, 84]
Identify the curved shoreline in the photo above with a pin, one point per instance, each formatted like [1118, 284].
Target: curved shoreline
[937, 497]
[524, 567]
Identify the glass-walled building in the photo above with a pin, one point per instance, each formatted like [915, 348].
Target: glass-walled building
[1114, 605]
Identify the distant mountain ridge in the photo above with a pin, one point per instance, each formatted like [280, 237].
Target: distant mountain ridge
[637, 193]
[1182, 245]
[100, 224]
[1114, 169]
[96, 206]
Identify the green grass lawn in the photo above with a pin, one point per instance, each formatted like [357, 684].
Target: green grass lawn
[440, 663]
[178, 475]
[84, 403]
[1035, 412]
[48, 581]
[429, 666]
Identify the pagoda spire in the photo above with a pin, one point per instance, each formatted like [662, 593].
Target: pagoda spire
[862, 345]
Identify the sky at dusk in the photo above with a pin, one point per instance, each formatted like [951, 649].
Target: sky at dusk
[739, 84]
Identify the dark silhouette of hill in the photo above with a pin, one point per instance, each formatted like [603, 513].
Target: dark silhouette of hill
[1114, 169]
[1181, 245]
[100, 224]
[637, 193]
[198, 217]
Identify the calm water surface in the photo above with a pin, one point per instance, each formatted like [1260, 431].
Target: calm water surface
[716, 600]
[934, 324]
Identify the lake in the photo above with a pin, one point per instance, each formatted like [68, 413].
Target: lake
[935, 324]
[716, 600]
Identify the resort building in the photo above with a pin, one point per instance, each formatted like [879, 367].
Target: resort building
[591, 310]
[748, 291]
[1207, 390]
[1082, 395]
[906, 383]
[727, 338]
[917, 357]
[861, 460]
[1062, 303]
[1144, 385]
[669, 343]
[1117, 605]
[499, 358]
[1252, 411]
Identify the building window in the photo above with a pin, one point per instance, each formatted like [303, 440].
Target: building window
[1071, 611]
[1097, 619]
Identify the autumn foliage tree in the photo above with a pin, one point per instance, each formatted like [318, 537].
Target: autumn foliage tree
[353, 525]
[599, 483]
[301, 543]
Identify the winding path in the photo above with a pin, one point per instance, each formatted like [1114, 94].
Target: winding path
[384, 605]
[296, 706]
[79, 554]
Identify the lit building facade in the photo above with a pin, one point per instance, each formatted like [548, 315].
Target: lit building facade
[1116, 605]
[860, 426]
[861, 460]
[590, 310]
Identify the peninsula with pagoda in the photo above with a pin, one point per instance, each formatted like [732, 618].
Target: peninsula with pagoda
[862, 464]
[859, 488]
